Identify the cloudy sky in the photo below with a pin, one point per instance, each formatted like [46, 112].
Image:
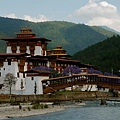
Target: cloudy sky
[90, 12]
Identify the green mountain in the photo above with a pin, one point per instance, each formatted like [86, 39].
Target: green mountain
[105, 55]
[105, 30]
[72, 37]
[110, 29]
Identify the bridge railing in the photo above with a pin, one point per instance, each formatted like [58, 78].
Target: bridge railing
[82, 79]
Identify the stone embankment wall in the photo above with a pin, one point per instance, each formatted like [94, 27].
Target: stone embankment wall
[56, 97]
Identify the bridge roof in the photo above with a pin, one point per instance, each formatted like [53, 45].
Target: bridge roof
[52, 79]
[114, 77]
[85, 74]
[77, 75]
[74, 75]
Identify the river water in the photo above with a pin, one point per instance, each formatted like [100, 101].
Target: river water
[91, 111]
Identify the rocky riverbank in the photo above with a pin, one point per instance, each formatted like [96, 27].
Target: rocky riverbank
[8, 111]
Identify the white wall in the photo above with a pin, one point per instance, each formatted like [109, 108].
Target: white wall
[2, 75]
[8, 50]
[38, 50]
[18, 49]
[13, 68]
[30, 84]
[28, 50]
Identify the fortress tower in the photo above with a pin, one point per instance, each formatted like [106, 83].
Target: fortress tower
[27, 42]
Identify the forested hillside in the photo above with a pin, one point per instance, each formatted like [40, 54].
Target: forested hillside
[106, 31]
[72, 37]
[105, 55]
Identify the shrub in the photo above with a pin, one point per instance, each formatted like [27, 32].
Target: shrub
[36, 106]
[29, 109]
[45, 106]
[39, 106]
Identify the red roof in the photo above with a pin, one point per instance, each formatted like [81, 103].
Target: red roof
[24, 39]
[13, 54]
[67, 60]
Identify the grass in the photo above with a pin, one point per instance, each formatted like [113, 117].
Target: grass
[39, 106]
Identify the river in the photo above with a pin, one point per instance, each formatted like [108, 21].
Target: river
[91, 111]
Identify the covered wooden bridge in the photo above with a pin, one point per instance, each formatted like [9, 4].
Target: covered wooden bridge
[54, 84]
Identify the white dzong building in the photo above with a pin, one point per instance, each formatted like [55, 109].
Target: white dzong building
[15, 61]
[26, 52]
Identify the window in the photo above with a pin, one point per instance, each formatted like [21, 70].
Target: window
[23, 75]
[18, 74]
[9, 62]
[32, 78]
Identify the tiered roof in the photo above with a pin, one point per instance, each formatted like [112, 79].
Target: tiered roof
[25, 35]
[58, 52]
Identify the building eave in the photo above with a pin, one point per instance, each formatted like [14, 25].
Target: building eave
[13, 54]
[24, 39]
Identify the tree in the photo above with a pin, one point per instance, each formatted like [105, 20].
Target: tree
[71, 70]
[93, 71]
[9, 81]
[21, 85]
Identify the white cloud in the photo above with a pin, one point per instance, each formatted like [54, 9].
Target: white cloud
[11, 16]
[40, 18]
[91, 1]
[97, 13]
